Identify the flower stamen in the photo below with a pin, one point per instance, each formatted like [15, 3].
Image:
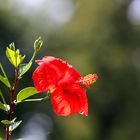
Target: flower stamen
[88, 79]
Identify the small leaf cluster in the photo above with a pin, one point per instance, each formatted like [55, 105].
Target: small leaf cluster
[14, 55]
[12, 124]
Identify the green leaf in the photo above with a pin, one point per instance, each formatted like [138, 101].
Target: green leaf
[6, 122]
[2, 106]
[3, 99]
[1, 138]
[14, 55]
[24, 68]
[14, 125]
[4, 81]
[21, 68]
[4, 78]
[25, 93]
[14, 120]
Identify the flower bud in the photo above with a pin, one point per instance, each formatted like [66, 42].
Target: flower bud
[37, 44]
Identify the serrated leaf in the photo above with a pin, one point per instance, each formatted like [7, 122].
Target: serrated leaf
[6, 122]
[2, 106]
[4, 81]
[14, 125]
[24, 68]
[25, 93]
[14, 57]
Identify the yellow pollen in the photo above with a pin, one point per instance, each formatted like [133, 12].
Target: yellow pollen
[89, 79]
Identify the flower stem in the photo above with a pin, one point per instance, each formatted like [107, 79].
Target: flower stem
[34, 54]
[12, 104]
[33, 100]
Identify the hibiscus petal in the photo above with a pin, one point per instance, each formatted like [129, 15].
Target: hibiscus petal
[70, 101]
[45, 59]
[80, 92]
[45, 77]
[66, 73]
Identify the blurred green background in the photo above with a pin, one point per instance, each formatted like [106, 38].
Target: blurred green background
[95, 36]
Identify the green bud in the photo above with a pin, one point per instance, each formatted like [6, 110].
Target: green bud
[37, 44]
[12, 46]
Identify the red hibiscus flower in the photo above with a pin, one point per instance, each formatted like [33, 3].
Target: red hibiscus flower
[64, 83]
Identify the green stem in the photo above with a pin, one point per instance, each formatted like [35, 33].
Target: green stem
[34, 54]
[33, 100]
[28, 65]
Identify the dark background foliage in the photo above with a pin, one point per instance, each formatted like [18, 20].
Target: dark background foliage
[95, 36]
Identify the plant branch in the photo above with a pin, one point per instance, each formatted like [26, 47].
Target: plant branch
[12, 94]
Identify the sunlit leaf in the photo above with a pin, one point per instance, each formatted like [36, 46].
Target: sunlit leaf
[1, 138]
[6, 122]
[24, 68]
[2, 106]
[4, 81]
[14, 125]
[25, 93]
[14, 56]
